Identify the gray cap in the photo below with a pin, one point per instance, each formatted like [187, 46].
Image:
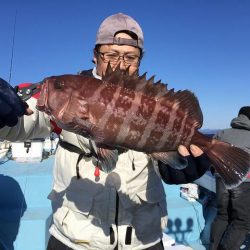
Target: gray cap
[119, 22]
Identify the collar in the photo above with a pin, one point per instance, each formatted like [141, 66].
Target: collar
[95, 74]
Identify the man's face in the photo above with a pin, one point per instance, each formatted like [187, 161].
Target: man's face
[128, 56]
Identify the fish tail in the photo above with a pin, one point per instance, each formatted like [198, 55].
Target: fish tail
[230, 162]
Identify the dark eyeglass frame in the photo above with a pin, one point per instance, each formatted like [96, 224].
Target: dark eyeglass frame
[134, 60]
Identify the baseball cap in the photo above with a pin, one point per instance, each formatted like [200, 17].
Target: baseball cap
[117, 23]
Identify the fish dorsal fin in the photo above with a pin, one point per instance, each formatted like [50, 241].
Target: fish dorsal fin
[134, 82]
[168, 97]
[113, 76]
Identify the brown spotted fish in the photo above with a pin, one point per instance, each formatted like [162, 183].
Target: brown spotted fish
[123, 112]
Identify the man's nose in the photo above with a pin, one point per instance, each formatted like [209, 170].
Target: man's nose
[122, 63]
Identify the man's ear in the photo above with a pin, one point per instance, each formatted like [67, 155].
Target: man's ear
[94, 60]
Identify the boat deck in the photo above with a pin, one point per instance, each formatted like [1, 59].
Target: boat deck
[25, 211]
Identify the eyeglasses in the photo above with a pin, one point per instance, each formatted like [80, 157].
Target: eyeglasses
[114, 57]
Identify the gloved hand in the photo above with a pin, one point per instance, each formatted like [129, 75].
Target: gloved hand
[11, 105]
[195, 151]
[197, 158]
[198, 164]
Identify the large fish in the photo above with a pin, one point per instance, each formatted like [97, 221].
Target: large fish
[130, 112]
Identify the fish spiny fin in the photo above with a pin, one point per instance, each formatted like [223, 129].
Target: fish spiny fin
[112, 76]
[150, 88]
[185, 99]
[134, 82]
[108, 72]
[151, 81]
[119, 77]
[162, 88]
[141, 82]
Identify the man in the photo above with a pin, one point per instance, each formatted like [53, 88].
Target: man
[123, 209]
[232, 222]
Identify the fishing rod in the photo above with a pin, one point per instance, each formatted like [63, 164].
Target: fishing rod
[26, 92]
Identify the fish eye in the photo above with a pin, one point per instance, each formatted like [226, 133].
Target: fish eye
[58, 84]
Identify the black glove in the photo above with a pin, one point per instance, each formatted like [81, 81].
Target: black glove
[11, 105]
[197, 166]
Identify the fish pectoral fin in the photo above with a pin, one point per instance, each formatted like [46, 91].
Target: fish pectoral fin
[89, 130]
[106, 159]
[171, 158]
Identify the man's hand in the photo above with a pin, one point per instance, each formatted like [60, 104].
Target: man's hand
[195, 151]
[198, 164]
[197, 157]
[11, 105]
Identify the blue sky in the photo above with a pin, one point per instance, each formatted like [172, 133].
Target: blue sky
[200, 45]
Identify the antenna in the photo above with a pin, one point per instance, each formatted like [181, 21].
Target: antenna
[13, 45]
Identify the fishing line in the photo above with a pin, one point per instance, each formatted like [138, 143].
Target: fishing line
[33, 129]
[10, 74]
[13, 46]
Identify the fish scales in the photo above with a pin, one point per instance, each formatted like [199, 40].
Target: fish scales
[106, 99]
[116, 113]
[168, 139]
[121, 111]
[130, 112]
[152, 133]
[141, 130]
[141, 122]
[158, 136]
[167, 120]
[128, 127]
[98, 112]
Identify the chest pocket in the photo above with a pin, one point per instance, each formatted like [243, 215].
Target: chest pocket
[74, 201]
